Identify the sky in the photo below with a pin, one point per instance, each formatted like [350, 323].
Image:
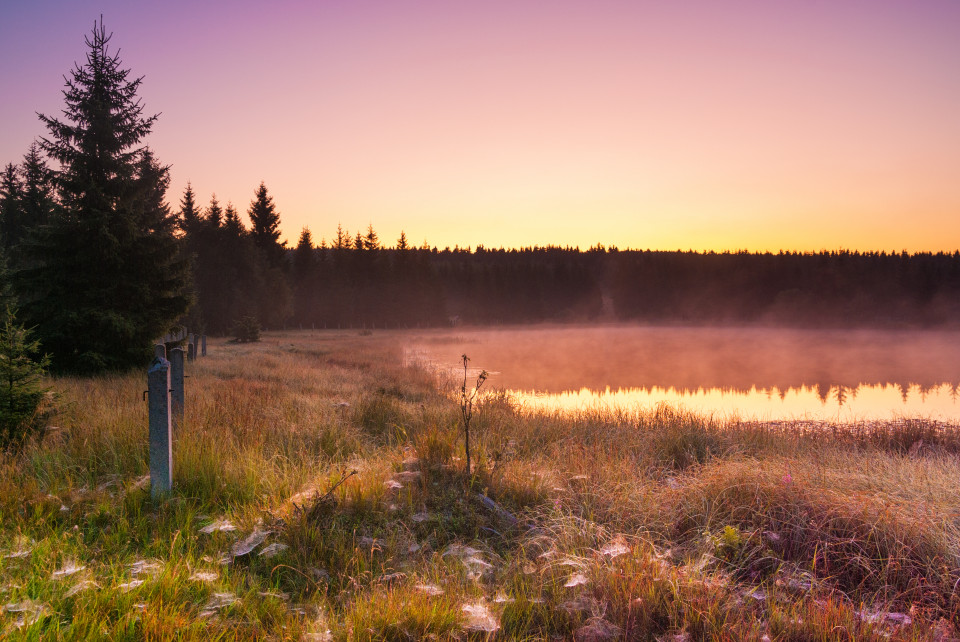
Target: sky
[737, 125]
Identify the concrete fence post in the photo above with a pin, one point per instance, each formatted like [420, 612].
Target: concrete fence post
[203, 345]
[177, 389]
[161, 447]
[160, 351]
[191, 348]
[196, 346]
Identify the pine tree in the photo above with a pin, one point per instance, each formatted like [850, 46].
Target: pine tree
[38, 191]
[11, 194]
[189, 219]
[402, 243]
[342, 241]
[103, 280]
[232, 224]
[370, 240]
[214, 216]
[265, 226]
[303, 256]
[22, 371]
[155, 262]
[305, 277]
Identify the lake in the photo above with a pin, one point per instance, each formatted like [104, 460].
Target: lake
[751, 373]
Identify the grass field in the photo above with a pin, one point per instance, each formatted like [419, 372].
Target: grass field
[603, 525]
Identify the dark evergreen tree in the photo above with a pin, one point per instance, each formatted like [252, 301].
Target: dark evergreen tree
[215, 272]
[214, 216]
[102, 280]
[232, 223]
[189, 218]
[342, 240]
[265, 226]
[156, 270]
[22, 371]
[38, 201]
[303, 256]
[370, 240]
[11, 194]
[305, 278]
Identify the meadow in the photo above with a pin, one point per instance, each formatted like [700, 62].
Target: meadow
[320, 493]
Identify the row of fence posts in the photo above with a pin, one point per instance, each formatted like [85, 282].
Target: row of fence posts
[165, 397]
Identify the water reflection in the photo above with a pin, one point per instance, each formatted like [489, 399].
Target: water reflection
[807, 403]
[761, 373]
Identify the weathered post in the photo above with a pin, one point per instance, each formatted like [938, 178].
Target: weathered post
[161, 448]
[196, 346]
[203, 345]
[191, 351]
[176, 387]
[160, 351]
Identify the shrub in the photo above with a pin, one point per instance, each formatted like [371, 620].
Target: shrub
[247, 329]
[21, 379]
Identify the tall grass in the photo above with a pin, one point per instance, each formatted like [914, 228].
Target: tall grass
[637, 524]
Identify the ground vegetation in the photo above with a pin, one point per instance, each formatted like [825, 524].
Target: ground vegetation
[320, 493]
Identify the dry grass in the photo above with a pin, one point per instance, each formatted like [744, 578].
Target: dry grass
[653, 525]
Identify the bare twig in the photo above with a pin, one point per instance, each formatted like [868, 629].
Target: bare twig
[466, 405]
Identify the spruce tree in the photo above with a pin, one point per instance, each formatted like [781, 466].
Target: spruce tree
[39, 201]
[265, 226]
[232, 224]
[11, 195]
[370, 240]
[214, 217]
[303, 256]
[304, 277]
[102, 280]
[189, 217]
[22, 370]
[342, 240]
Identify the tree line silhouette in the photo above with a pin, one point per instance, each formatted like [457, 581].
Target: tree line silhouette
[239, 270]
[392, 287]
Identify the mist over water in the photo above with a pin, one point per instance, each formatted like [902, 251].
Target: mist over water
[762, 373]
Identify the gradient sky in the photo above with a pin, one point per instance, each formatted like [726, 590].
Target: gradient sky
[758, 125]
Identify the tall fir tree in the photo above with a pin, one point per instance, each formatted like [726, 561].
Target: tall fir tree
[11, 195]
[342, 240]
[265, 226]
[39, 200]
[371, 241]
[232, 224]
[102, 280]
[303, 256]
[214, 216]
[188, 219]
[304, 277]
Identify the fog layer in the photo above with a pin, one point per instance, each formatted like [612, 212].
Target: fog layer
[564, 359]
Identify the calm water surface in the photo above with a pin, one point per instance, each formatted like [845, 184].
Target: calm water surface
[753, 373]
